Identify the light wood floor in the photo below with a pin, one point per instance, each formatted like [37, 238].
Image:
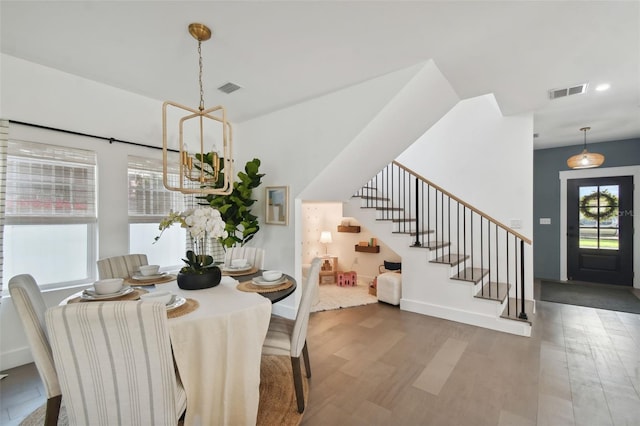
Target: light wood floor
[378, 365]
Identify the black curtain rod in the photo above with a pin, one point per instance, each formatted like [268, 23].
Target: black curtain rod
[71, 132]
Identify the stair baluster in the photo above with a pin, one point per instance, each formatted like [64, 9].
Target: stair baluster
[404, 197]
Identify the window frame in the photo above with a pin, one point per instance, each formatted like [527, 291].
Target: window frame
[155, 167]
[56, 155]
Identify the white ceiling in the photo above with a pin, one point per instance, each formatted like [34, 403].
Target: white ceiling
[283, 53]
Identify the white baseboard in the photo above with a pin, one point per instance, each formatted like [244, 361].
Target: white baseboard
[15, 358]
[472, 318]
[283, 311]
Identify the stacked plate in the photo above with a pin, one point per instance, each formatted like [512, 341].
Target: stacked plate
[90, 294]
[231, 268]
[172, 301]
[176, 302]
[140, 277]
[260, 281]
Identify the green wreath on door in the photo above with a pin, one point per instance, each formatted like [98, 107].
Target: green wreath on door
[589, 206]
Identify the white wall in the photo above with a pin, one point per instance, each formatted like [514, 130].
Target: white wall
[113, 223]
[326, 216]
[485, 159]
[294, 146]
[35, 94]
[320, 150]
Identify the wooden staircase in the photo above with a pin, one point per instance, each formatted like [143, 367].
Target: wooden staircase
[425, 214]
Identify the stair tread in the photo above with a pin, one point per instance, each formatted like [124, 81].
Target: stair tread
[470, 274]
[413, 233]
[494, 291]
[398, 220]
[450, 259]
[426, 231]
[395, 209]
[431, 245]
[369, 197]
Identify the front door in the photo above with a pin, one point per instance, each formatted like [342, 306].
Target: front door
[600, 230]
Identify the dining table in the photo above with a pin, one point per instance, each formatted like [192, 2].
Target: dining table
[216, 336]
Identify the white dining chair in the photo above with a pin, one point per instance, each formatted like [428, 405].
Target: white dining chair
[289, 337]
[29, 303]
[121, 266]
[115, 363]
[254, 255]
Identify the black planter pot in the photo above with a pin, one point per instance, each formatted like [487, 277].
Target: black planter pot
[209, 279]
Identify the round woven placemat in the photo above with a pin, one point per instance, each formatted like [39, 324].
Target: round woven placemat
[251, 287]
[240, 273]
[153, 281]
[189, 306]
[134, 295]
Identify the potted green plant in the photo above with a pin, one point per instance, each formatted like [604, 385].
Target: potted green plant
[203, 223]
[235, 208]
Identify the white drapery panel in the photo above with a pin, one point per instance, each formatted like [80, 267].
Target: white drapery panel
[4, 142]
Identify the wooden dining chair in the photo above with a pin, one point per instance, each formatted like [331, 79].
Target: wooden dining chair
[29, 303]
[254, 255]
[115, 363]
[289, 337]
[121, 266]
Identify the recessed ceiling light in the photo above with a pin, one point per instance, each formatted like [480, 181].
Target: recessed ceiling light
[602, 87]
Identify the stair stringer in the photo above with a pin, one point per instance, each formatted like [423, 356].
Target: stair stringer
[427, 288]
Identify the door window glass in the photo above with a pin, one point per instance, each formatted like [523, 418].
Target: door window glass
[599, 208]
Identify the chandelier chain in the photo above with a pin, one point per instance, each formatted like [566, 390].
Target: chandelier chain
[200, 75]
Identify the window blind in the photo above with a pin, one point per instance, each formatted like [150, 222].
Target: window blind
[49, 184]
[149, 200]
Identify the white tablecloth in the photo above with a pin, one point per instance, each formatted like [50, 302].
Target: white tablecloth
[218, 350]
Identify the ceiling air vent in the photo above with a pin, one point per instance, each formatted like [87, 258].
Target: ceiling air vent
[574, 90]
[229, 88]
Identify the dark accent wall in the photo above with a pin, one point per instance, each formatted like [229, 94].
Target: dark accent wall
[547, 163]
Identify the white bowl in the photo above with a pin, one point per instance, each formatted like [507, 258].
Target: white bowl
[271, 275]
[157, 296]
[239, 263]
[108, 286]
[147, 270]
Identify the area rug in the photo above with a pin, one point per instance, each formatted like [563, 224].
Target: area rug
[277, 407]
[601, 296]
[334, 297]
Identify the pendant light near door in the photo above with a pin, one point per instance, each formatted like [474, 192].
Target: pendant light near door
[586, 159]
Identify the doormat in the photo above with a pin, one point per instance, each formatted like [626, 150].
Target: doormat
[600, 296]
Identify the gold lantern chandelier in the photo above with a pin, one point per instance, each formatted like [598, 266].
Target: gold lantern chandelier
[586, 159]
[202, 171]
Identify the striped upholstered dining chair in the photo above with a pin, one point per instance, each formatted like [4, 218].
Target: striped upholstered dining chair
[115, 363]
[31, 308]
[254, 255]
[289, 337]
[121, 266]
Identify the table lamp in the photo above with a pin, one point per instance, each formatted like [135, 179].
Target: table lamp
[325, 238]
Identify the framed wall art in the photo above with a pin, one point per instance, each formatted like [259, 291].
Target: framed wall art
[277, 205]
